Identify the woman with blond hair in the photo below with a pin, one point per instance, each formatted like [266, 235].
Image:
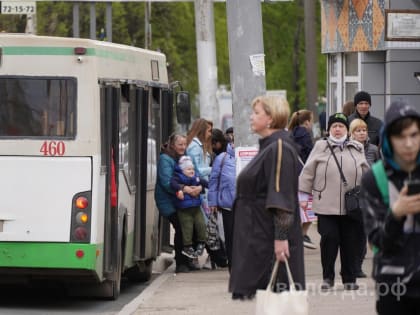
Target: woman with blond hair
[359, 132]
[266, 212]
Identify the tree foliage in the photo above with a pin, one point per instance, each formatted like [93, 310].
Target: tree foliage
[173, 33]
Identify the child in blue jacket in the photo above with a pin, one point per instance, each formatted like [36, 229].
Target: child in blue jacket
[188, 207]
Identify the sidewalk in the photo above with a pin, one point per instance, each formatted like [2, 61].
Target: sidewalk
[205, 292]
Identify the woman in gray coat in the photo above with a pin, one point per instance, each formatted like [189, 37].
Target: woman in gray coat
[321, 177]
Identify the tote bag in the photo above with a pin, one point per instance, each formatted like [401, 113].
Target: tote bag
[291, 302]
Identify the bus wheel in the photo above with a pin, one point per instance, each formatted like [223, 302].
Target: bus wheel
[141, 272]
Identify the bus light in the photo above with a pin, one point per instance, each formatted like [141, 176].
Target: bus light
[81, 202]
[80, 253]
[80, 233]
[79, 50]
[82, 218]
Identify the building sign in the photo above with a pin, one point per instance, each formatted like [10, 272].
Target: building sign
[403, 25]
[18, 7]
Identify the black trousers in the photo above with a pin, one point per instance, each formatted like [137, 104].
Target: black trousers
[228, 229]
[390, 304]
[339, 232]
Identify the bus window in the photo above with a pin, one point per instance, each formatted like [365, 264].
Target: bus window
[37, 107]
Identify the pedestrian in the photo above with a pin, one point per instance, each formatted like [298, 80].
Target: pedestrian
[188, 207]
[199, 148]
[218, 142]
[230, 135]
[362, 102]
[300, 126]
[170, 152]
[348, 108]
[359, 132]
[392, 212]
[221, 194]
[266, 212]
[321, 176]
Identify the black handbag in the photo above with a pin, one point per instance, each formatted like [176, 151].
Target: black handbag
[352, 196]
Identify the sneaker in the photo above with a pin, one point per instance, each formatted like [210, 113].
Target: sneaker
[189, 252]
[351, 286]
[200, 249]
[308, 243]
[327, 284]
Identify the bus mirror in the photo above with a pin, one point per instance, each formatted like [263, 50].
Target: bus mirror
[183, 107]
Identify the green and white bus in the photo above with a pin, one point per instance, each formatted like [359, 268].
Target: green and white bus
[81, 124]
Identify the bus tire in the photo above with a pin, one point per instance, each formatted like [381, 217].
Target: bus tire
[141, 272]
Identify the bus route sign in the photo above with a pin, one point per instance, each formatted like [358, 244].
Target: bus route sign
[18, 7]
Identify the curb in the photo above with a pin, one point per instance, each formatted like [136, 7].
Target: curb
[147, 293]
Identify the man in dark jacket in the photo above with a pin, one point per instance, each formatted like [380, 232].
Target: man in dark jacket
[392, 219]
[362, 102]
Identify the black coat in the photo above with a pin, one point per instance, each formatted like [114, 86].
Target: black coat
[253, 232]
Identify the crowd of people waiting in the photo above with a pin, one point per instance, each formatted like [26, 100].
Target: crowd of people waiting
[249, 220]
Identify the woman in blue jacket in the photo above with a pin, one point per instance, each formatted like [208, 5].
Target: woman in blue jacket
[165, 196]
[221, 194]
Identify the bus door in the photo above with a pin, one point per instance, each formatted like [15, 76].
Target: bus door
[142, 99]
[167, 129]
[110, 100]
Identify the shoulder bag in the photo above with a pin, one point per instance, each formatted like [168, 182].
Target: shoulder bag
[352, 196]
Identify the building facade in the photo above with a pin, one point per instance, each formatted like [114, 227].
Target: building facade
[362, 56]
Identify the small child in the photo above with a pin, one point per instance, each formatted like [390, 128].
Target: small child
[188, 207]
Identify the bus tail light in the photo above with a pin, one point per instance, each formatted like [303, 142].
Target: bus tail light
[81, 210]
[81, 202]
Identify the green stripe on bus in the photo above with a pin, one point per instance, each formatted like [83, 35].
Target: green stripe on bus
[49, 51]
[47, 255]
[64, 51]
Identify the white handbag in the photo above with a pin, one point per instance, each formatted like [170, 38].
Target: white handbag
[291, 302]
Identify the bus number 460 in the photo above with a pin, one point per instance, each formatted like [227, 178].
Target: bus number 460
[52, 148]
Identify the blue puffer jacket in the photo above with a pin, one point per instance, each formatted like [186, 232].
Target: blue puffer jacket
[164, 195]
[178, 181]
[222, 183]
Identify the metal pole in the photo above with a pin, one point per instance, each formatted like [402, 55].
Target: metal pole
[147, 25]
[311, 57]
[92, 20]
[109, 21]
[76, 30]
[247, 74]
[206, 60]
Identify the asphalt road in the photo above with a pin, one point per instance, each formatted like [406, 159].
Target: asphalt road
[52, 300]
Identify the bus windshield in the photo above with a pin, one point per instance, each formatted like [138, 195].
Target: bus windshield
[40, 107]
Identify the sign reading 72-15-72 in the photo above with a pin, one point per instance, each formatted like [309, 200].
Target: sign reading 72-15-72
[18, 7]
